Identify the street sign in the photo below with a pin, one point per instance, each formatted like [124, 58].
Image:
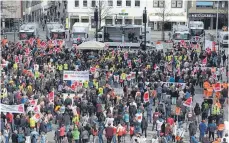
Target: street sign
[123, 14]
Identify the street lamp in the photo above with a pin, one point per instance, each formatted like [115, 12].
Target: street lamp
[217, 21]
[96, 18]
[144, 21]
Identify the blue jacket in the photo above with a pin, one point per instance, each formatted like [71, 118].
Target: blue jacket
[126, 117]
[172, 79]
[202, 128]
[193, 140]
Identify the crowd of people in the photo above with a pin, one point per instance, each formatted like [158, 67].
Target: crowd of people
[158, 89]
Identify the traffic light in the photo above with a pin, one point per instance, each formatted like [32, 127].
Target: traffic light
[96, 18]
[144, 16]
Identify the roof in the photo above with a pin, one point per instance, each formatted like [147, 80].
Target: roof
[57, 30]
[55, 25]
[91, 45]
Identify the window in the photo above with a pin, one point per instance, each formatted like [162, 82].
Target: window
[85, 3]
[76, 3]
[110, 2]
[128, 21]
[108, 21]
[137, 21]
[137, 3]
[93, 3]
[176, 3]
[158, 3]
[84, 20]
[119, 2]
[128, 2]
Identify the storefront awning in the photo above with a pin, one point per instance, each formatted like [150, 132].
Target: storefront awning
[169, 18]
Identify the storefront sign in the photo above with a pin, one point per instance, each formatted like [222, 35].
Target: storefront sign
[202, 15]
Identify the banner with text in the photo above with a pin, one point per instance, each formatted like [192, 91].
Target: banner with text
[12, 108]
[76, 75]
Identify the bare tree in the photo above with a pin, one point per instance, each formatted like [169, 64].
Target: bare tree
[103, 10]
[163, 12]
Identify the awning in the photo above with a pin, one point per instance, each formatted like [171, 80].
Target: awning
[91, 45]
[169, 18]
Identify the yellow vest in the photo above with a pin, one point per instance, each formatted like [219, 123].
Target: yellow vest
[65, 66]
[15, 66]
[32, 122]
[169, 58]
[61, 67]
[85, 84]
[100, 90]
[215, 110]
[123, 76]
[176, 57]
[37, 74]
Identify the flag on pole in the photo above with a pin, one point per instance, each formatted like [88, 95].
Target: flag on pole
[31, 40]
[51, 96]
[204, 61]
[43, 44]
[188, 102]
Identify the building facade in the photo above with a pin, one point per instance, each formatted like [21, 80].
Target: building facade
[11, 14]
[206, 11]
[128, 12]
[44, 11]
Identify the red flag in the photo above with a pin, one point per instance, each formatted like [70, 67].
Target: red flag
[204, 61]
[31, 40]
[217, 87]
[129, 63]
[188, 102]
[27, 51]
[92, 69]
[16, 59]
[51, 96]
[43, 44]
[73, 86]
[146, 96]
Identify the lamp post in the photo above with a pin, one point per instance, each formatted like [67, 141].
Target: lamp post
[96, 18]
[144, 21]
[217, 21]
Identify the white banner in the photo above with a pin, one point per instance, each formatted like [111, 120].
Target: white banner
[12, 108]
[76, 75]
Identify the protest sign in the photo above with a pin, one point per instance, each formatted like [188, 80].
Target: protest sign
[76, 75]
[12, 108]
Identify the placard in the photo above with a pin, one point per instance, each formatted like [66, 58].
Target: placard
[76, 75]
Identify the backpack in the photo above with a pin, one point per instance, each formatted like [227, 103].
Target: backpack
[21, 138]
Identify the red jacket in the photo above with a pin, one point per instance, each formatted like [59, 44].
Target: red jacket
[9, 117]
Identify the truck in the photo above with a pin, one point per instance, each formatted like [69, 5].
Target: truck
[55, 31]
[79, 33]
[124, 35]
[27, 31]
[180, 33]
[197, 32]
